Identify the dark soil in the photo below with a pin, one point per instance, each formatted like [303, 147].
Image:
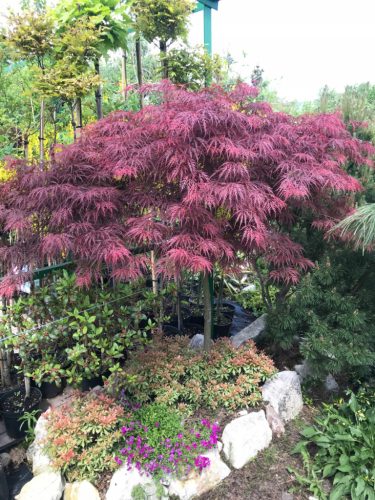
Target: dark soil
[267, 476]
[103, 484]
[17, 403]
[283, 359]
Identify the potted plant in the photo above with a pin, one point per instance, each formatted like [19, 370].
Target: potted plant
[15, 404]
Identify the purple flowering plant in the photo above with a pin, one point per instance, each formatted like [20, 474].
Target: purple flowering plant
[156, 442]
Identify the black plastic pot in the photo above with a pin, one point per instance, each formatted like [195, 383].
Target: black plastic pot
[228, 310]
[11, 417]
[222, 329]
[4, 490]
[3, 394]
[88, 384]
[51, 389]
[192, 329]
[196, 320]
[171, 331]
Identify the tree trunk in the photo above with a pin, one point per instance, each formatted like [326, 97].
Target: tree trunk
[124, 75]
[178, 303]
[163, 59]
[153, 273]
[26, 147]
[41, 134]
[73, 122]
[207, 312]
[138, 55]
[98, 93]
[54, 115]
[27, 387]
[78, 110]
[220, 297]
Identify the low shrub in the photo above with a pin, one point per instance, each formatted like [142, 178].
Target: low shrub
[168, 371]
[93, 434]
[157, 441]
[341, 446]
[331, 312]
[64, 331]
[83, 436]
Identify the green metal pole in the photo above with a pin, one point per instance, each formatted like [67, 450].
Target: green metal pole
[207, 36]
[207, 29]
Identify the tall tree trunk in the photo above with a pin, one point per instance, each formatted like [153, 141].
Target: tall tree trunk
[54, 115]
[124, 75]
[153, 273]
[98, 93]
[73, 122]
[163, 58]
[78, 110]
[26, 147]
[207, 312]
[178, 303]
[138, 55]
[41, 134]
[220, 297]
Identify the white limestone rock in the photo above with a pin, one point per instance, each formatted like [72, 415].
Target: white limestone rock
[254, 331]
[123, 482]
[44, 486]
[303, 370]
[330, 384]
[197, 341]
[35, 454]
[198, 483]
[274, 421]
[244, 437]
[283, 392]
[81, 490]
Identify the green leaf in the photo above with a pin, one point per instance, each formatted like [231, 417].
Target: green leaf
[328, 470]
[338, 492]
[309, 432]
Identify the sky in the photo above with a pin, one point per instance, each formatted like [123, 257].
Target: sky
[301, 45]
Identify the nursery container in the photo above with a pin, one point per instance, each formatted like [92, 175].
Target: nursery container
[88, 384]
[222, 329]
[12, 411]
[195, 319]
[52, 389]
[171, 330]
[4, 490]
[228, 310]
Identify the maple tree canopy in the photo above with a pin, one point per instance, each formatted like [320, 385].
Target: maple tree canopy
[199, 177]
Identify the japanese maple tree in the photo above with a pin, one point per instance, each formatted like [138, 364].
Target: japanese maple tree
[199, 177]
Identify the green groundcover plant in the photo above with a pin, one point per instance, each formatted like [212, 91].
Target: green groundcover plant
[341, 446]
[168, 371]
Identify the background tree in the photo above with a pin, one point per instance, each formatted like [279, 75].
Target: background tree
[31, 35]
[162, 20]
[192, 67]
[70, 77]
[111, 20]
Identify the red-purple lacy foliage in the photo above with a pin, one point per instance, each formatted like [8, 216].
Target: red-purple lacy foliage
[199, 176]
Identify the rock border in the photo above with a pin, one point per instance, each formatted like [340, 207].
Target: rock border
[242, 439]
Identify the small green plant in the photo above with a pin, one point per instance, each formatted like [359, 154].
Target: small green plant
[28, 422]
[341, 447]
[309, 479]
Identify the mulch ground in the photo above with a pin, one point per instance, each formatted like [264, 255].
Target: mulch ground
[267, 476]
